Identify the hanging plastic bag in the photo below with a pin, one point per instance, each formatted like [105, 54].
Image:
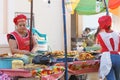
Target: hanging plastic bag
[4, 76]
[41, 59]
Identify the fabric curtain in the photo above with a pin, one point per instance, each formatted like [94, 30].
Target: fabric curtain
[89, 7]
[71, 5]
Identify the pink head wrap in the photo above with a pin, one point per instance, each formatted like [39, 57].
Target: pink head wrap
[104, 22]
[19, 18]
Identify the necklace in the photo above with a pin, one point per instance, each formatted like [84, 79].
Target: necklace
[24, 35]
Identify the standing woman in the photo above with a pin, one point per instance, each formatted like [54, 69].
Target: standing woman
[19, 39]
[109, 41]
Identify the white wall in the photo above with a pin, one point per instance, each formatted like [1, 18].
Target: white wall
[48, 19]
[1, 16]
[11, 14]
[116, 23]
[91, 20]
[6, 19]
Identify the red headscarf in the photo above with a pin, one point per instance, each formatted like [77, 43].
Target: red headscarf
[19, 18]
[104, 22]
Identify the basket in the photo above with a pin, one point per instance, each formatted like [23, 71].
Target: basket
[6, 63]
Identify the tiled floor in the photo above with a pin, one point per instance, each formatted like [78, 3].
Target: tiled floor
[92, 76]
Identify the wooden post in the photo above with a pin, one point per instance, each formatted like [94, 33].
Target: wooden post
[31, 23]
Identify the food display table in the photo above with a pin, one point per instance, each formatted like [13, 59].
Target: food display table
[16, 72]
[27, 74]
[82, 67]
[83, 64]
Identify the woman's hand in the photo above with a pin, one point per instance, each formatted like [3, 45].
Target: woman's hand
[25, 52]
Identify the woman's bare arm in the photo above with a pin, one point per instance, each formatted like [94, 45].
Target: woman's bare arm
[14, 49]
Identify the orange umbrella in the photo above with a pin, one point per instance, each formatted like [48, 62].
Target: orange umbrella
[115, 11]
[114, 7]
[113, 4]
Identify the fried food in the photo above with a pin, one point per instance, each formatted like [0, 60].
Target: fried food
[85, 56]
[4, 55]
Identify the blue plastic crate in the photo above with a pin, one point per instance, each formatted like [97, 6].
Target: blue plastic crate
[37, 33]
[6, 63]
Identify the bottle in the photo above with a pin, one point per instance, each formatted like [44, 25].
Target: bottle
[97, 6]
